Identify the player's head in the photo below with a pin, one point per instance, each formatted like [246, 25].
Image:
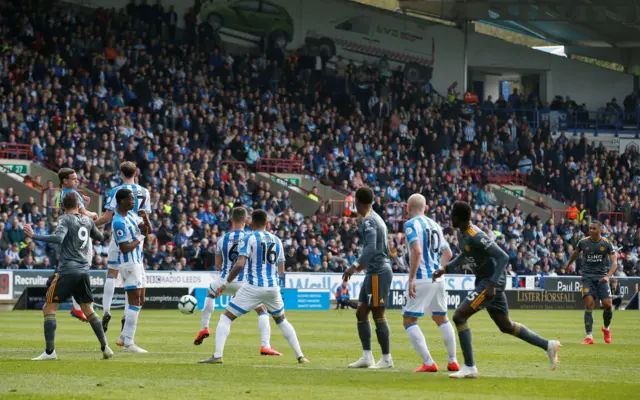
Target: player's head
[460, 214]
[595, 229]
[70, 202]
[68, 178]
[239, 217]
[128, 169]
[364, 200]
[417, 203]
[125, 200]
[258, 220]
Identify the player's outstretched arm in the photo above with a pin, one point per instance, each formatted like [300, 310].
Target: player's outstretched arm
[105, 219]
[57, 237]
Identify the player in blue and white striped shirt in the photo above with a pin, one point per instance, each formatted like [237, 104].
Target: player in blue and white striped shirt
[69, 184]
[428, 250]
[265, 257]
[128, 231]
[142, 201]
[227, 251]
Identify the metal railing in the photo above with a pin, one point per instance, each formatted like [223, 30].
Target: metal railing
[15, 151]
[613, 217]
[279, 165]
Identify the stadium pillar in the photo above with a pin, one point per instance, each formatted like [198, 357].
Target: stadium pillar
[465, 66]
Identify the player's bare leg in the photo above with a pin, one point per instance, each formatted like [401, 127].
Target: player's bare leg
[607, 315]
[449, 339]
[107, 299]
[96, 325]
[384, 339]
[364, 332]
[207, 310]
[506, 325]
[461, 320]
[419, 343]
[136, 300]
[50, 325]
[290, 334]
[265, 332]
[589, 305]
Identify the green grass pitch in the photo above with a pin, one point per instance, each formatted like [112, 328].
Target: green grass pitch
[509, 368]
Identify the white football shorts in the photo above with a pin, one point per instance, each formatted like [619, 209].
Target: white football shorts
[249, 297]
[431, 298]
[133, 276]
[230, 290]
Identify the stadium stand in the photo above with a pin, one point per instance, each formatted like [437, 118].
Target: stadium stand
[90, 90]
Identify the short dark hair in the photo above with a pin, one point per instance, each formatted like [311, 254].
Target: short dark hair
[70, 201]
[239, 214]
[128, 169]
[65, 173]
[597, 222]
[259, 218]
[462, 211]
[364, 195]
[123, 194]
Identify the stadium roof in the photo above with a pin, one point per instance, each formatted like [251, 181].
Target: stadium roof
[604, 29]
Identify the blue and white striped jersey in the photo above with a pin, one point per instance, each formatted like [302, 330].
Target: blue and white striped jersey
[431, 240]
[228, 247]
[64, 192]
[264, 252]
[140, 194]
[125, 230]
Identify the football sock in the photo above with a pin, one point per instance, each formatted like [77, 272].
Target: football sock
[265, 330]
[96, 325]
[130, 323]
[109, 289]
[449, 338]
[364, 331]
[222, 332]
[419, 343]
[290, 334]
[522, 332]
[382, 332]
[607, 315]
[464, 335]
[50, 332]
[76, 306]
[588, 322]
[207, 310]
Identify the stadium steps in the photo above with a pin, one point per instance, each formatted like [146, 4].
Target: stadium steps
[513, 195]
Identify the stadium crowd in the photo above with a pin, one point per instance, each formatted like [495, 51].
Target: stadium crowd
[90, 90]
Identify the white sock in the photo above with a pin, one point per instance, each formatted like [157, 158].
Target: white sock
[449, 338]
[606, 328]
[207, 310]
[290, 335]
[107, 297]
[419, 344]
[386, 357]
[76, 306]
[590, 336]
[222, 332]
[367, 354]
[265, 330]
[126, 301]
[130, 323]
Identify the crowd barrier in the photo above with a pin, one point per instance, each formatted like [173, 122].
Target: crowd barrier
[309, 288]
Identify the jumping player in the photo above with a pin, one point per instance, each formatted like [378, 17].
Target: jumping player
[69, 184]
[488, 263]
[73, 235]
[428, 249]
[264, 253]
[142, 201]
[374, 293]
[227, 251]
[595, 278]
